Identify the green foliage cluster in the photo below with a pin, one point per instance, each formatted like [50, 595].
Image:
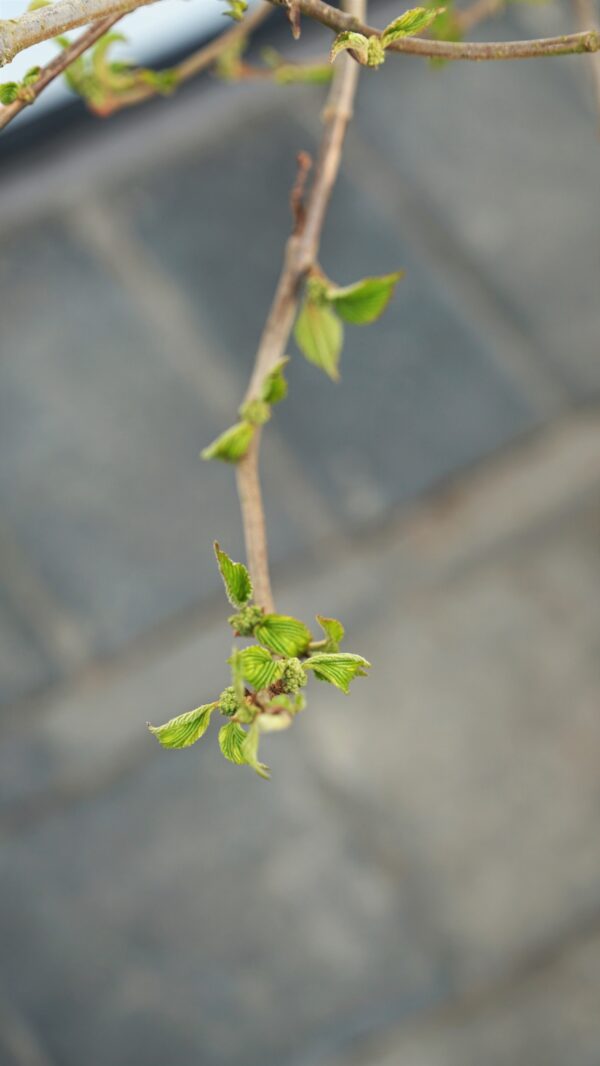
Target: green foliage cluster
[370, 51]
[319, 330]
[266, 677]
[98, 78]
[20, 90]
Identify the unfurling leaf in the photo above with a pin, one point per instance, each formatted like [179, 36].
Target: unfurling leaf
[338, 669]
[351, 42]
[334, 632]
[249, 748]
[319, 335]
[410, 23]
[9, 92]
[232, 445]
[236, 9]
[258, 666]
[257, 412]
[274, 387]
[31, 76]
[186, 729]
[366, 300]
[231, 738]
[236, 578]
[283, 635]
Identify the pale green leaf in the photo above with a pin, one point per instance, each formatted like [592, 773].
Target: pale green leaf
[231, 739]
[236, 9]
[184, 730]
[258, 666]
[274, 386]
[283, 635]
[250, 751]
[338, 669]
[255, 411]
[232, 445]
[275, 721]
[236, 578]
[9, 92]
[334, 632]
[366, 300]
[319, 335]
[350, 41]
[410, 23]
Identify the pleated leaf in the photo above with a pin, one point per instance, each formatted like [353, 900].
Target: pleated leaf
[338, 669]
[334, 632]
[258, 667]
[410, 23]
[283, 635]
[184, 730]
[236, 578]
[231, 739]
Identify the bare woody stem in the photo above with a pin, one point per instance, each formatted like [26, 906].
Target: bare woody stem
[568, 44]
[57, 67]
[47, 22]
[51, 21]
[300, 255]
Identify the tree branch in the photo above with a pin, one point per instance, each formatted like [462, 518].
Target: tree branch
[300, 255]
[568, 44]
[46, 22]
[51, 21]
[57, 67]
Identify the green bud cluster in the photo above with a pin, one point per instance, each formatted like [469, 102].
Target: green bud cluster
[293, 675]
[228, 702]
[246, 620]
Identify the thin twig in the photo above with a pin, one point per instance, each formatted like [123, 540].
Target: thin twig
[54, 19]
[586, 13]
[46, 22]
[568, 44]
[57, 67]
[300, 255]
[195, 63]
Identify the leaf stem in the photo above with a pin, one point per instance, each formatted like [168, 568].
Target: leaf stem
[300, 255]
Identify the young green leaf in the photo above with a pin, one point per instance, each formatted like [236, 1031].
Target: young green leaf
[184, 730]
[410, 23]
[249, 749]
[283, 635]
[334, 632]
[257, 412]
[31, 76]
[231, 739]
[9, 92]
[236, 578]
[366, 300]
[232, 445]
[351, 42]
[337, 669]
[274, 387]
[319, 335]
[236, 9]
[258, 666]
